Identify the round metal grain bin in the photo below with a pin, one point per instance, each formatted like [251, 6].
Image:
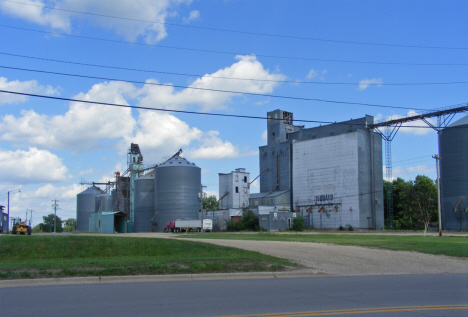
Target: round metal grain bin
[104, 202]
[85, 206]
[144, 203]
[176, 187]
[453, 149]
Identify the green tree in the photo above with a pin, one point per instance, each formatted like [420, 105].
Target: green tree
[48, 224]
[69, 225]
[414, 202]
[210, 203]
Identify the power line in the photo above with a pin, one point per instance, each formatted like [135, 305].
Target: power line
[232, 53]
[230, 78]
[244, 32]
[210, 89]
[183, 111]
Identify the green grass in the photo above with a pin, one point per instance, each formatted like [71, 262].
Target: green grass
[65, 256]
[451, 246]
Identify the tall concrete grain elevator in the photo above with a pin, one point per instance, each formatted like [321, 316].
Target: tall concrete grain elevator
[453, 150]
[332, 174]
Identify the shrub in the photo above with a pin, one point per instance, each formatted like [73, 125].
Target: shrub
[341, 228]
[298, 223]
[248, 222]
[349, 228]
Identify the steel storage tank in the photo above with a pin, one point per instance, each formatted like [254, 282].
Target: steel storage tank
[144, 203]
[176, 187]
[85, 206]
[453, 149]
[104, 202]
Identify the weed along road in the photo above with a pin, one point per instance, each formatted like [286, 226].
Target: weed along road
[370, 295]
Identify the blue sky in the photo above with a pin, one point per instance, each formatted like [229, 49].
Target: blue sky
[351, 51]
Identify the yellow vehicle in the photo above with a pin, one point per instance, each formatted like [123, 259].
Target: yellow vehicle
[21, 227]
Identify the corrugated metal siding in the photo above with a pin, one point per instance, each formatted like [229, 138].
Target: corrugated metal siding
[85, 206]
[454, 176]
[177, 185]
[144, 204]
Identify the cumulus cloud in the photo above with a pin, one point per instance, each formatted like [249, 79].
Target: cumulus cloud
[411, 171]
[417, 127]
[56, 192]
[156, 11]
[31, 86]
[81, 127]
[319, 74]
[32, 166]
[252, 78]
[363, 84]
[161, 133]
[194, 15]
[90, 126]
[213, 147]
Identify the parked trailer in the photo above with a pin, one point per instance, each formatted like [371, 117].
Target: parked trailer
[182, 225]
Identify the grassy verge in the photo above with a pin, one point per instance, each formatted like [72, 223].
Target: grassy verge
[451, 246]
[68, 256]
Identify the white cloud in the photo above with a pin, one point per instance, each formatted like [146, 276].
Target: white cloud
[147, 10]
[194, 15]
[262, 103]
[417, 127]
[90, 126]
[255, 184]
[31, 86]
[320, 74]
[32, 166]
[412, 171]
[363, 84]
[213, 147]
[210, 193]
[265, 136]
[161, 133]
[81, 127]
[51, 191]
[253, 78]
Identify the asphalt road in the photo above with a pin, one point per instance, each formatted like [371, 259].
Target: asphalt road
[370, 295]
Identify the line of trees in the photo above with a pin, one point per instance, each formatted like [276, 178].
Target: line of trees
[414, 202]
[47, 224]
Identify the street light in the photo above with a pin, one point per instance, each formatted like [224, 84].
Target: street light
[8, 216]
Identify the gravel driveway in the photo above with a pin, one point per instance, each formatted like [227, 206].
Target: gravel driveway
[350, 260]
[324, 258]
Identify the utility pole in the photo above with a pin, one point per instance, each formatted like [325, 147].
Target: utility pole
[437, 158]
[55, 205]
[201, 205]
[30, 218]
[8, 217]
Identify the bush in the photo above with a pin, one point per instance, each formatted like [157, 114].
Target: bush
[248, 222]
[349, 228]
[298, 223]
[341, 228]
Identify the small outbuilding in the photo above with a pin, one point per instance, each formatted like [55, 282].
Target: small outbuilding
[108, 222]
[275, 221]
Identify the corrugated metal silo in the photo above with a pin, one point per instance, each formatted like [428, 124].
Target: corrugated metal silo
[176, 187]
[144, 203]
[454, 175]
[85, 206]
[103, 202]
